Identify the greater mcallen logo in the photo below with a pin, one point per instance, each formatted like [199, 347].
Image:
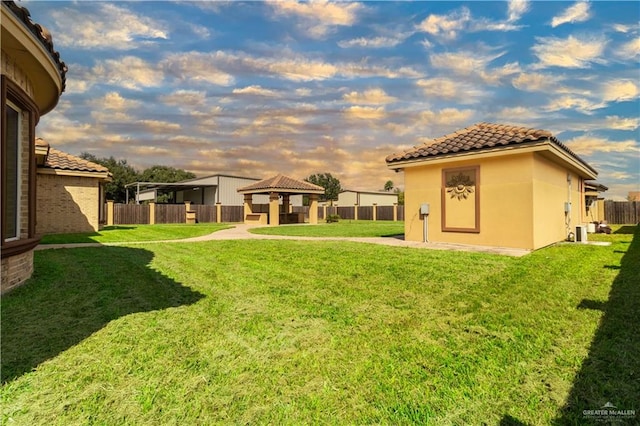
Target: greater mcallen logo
[609, 412]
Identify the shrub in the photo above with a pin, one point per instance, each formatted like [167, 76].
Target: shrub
[333, 218]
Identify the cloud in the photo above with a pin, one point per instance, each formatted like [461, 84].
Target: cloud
[113, 101]
[318, 17]
[517, 8]
[447, 117]
[446, 26]
[129, 72]
[254, 90]
[371, 96]
[587, 145]
[110, 27]
[620, 91]
[184, 98]
[467, 63]
[374, 42]
[583, 105]
[571, 52]
[630, 50]
[579, 12]
[450, 89]
[157, 126]
[196, 66]
[535, 82]
[365, 113]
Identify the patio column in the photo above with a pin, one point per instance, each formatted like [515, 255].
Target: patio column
[248, 205]
[110, 212]
[274, 209]
[313, 209]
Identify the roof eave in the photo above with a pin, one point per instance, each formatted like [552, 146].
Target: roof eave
[545, 145]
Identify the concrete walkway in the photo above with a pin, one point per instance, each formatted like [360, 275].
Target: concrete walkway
[241, 232]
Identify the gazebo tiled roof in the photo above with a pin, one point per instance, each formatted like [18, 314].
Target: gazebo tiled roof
[479, 137]
[282, 184]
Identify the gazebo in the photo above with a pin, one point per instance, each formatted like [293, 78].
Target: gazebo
[276, 186]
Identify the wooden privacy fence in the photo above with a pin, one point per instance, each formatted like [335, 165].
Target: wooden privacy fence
[622, 212]
[152, 213]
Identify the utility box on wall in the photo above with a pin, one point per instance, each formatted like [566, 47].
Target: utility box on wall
[424, 208]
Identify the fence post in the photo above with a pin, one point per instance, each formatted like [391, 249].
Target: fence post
[395, 212]
[218, 212]
[355, 211]
[152, 213]
[324, 211]
[375, 211]
[109, 212]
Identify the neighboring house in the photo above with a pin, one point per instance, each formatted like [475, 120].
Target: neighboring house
[594, 202]
[350, 197]
[70, 192]
[633, 196]
[208, 190]
[33, 78]
[493, 185]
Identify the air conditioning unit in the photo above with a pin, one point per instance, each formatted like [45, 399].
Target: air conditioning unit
[581, 234]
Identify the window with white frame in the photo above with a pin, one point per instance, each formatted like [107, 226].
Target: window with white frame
[11, 173]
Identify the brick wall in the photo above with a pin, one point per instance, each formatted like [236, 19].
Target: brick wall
[16, 270]
[67, 204]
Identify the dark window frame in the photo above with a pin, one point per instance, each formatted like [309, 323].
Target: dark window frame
[11, 92]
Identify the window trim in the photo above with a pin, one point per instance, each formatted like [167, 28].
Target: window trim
[443, 199]
[10, 91]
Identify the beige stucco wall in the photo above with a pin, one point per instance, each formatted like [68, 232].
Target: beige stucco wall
[67, 204]
[521, 201]
[551, 190]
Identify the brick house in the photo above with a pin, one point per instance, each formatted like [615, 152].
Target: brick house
[70, 192]
[32, 81]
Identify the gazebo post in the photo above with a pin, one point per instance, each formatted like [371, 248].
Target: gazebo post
[248, 205]
[313, 209]
[274, 209]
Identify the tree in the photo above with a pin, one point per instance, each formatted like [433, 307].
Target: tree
[165, 174]
[400, 196]
[122, 174]
[388, 186]
[330, 184]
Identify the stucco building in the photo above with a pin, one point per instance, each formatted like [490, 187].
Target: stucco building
[70, 192]
[493, 185]
[32, 81]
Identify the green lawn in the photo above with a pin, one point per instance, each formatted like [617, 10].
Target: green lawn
[134, 233]
[322, 332]
[344, 228]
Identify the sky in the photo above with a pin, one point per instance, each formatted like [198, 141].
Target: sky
[259, 88]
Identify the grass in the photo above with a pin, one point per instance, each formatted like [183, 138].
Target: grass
[322, 332]
[136, 233]
[344, 228]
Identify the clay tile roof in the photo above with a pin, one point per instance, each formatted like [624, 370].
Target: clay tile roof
[282, 183]
[478, 137]
[42, 35]
[62, 161]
